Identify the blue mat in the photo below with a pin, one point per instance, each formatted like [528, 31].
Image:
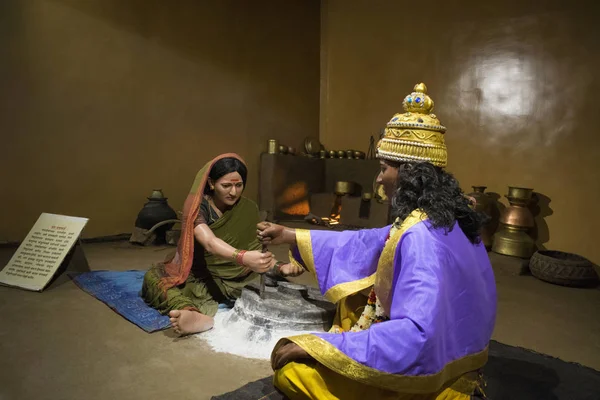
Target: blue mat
[120, 290]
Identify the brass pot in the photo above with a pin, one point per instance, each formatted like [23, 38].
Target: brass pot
[516, 220]
[520, 195]
[273, 146]
[332, 153]
[513, 241]
[312, 145]
[482, 201]
[350, 154]
[341, 154]
[283, 149]
[359, 155]
[343, 188]
[322, 154]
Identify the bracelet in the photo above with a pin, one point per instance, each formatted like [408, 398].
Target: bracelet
[235, 254]
[239, 259]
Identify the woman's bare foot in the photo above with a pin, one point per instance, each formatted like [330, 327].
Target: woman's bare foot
[186, 322]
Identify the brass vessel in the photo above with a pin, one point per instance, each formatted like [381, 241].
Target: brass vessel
[322, 154]
[312, 145]
[341, 154]
[512, 239]
[272, 147]
[332, 153]
[359, 155]
[283, 149]
[350, 154]
[483, 205]
[343, 188]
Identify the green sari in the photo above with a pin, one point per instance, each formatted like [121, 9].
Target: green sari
[194, 279]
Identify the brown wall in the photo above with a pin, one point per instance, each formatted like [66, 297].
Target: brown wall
[515, 82]
[103, 100]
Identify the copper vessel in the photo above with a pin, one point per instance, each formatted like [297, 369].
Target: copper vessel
[512, 238]
[483, 205]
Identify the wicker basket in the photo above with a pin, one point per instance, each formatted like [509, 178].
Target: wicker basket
[562, 268]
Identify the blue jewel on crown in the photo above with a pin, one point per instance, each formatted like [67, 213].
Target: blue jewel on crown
[418, 100]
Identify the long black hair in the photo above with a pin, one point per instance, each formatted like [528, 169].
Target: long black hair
[424, 186]
[226, 166]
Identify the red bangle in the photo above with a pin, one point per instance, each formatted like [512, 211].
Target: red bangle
[239, 259]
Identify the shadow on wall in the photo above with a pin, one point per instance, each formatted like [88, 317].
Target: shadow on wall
[540, 207]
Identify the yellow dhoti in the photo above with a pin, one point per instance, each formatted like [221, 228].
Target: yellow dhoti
[315, 381]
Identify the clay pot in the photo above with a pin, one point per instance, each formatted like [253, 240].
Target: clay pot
[154, 211]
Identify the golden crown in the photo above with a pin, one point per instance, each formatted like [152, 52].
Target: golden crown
[416, 135]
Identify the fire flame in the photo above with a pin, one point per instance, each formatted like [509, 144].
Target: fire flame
[334, 216]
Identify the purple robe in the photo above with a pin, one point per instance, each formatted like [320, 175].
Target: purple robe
[439, 293]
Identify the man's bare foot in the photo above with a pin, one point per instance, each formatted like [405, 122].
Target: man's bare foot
[186, 322]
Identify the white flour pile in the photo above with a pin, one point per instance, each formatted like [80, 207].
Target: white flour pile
[243, 338]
